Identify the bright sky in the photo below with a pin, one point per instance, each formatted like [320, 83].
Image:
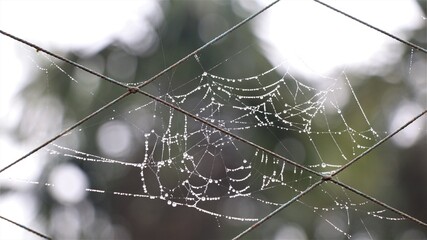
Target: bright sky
[289, 30]
[313, 38]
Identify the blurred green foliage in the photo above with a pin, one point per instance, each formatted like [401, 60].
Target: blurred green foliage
[385, 173]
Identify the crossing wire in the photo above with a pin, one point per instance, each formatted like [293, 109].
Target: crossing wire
[137, 89]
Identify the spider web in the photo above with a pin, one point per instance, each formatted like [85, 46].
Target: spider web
[198, 154]
[186, 162]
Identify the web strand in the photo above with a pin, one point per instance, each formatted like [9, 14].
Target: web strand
[373, 27]
[257, 224]
[223, 131]
[26, 228]
[263, 114]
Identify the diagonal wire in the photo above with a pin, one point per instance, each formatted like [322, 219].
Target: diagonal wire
[294, 199]
[66, 131]
[379, 143]
[373, 27]
[226, 132]
[207, 44]
[329, 178]
[111, 80]
[40, 49]
[134, 90]
[405, 215]
[164, 102]
[26, 228]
